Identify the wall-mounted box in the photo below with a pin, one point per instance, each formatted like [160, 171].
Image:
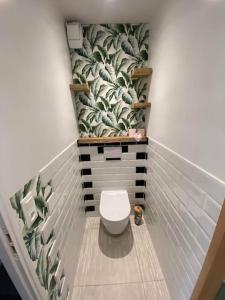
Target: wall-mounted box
[74, 35]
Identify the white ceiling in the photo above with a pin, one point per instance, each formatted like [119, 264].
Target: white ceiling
[108, 11]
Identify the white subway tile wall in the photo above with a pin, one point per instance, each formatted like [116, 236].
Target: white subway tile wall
[51, 210]
[127, 172]
[183, 203]
[65, 214]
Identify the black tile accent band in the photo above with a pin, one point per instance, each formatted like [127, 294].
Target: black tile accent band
[89, 145]
[84, 157]
[124, 149]
[132, 143]
[89, 208]
[141, 155]
[82, 145]
[113, 158]
[100, 150]
[143, 143]
[113, 144]
[139, 195]
[141, 170]
[140, 183]
[85, 172]
[86, 185]
[88, 197]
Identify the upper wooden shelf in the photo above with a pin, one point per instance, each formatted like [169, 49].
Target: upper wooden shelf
[80, 87]
[108, 140]
[141, 105]
[141, 73]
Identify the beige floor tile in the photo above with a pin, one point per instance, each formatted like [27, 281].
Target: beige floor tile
[132, 221]
[147, 258]
[107, 260]
[156, 290]
[130, 291]
[92, 223]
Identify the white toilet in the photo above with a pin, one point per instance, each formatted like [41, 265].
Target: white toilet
[115, 210]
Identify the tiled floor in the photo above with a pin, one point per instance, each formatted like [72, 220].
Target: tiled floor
[121, 268]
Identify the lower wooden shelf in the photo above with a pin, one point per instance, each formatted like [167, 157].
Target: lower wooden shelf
[106, 140]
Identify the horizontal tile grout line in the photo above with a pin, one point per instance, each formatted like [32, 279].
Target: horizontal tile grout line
[177, 196]
[109, 180]
[113, 174]
[167, 160]
[186, 160]
[112, 161]
[122, 283]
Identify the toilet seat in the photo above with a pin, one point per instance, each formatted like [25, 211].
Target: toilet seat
[114, 205]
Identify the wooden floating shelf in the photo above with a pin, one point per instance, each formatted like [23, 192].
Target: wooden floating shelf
[141, 105]
[141, 73]
[80, 87]
[105, 140]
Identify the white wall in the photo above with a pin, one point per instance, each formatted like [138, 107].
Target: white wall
[37, 119]
[36, 111]
[186, 171]
[187, 45]
[183, 203]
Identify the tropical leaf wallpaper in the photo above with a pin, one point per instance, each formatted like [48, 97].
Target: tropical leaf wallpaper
[109, 54]
[38, 250]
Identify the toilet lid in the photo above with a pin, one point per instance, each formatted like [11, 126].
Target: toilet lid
[114, 205]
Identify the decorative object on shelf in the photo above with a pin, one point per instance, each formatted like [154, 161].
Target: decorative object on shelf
[137, 137]
[140, 105]
[137, 73]
[141, 131]
[137, 134]
[109, 53]
[138, 212]
[80, 87]
[131, 132]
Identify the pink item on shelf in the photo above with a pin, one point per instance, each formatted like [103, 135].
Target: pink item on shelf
[137, 136]
[141, 132]
[132, 132]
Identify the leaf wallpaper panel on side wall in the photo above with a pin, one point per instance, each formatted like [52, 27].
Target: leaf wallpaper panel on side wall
[109, 54]
[37, 248]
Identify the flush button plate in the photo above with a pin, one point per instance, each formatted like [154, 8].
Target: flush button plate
[29, 210]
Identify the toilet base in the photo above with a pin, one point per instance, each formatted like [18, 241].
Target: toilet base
[115, 228]
[114, 234]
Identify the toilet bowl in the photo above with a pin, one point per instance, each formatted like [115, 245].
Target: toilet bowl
[114, 210]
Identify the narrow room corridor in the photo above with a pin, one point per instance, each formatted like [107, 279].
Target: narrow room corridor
[112, 165]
